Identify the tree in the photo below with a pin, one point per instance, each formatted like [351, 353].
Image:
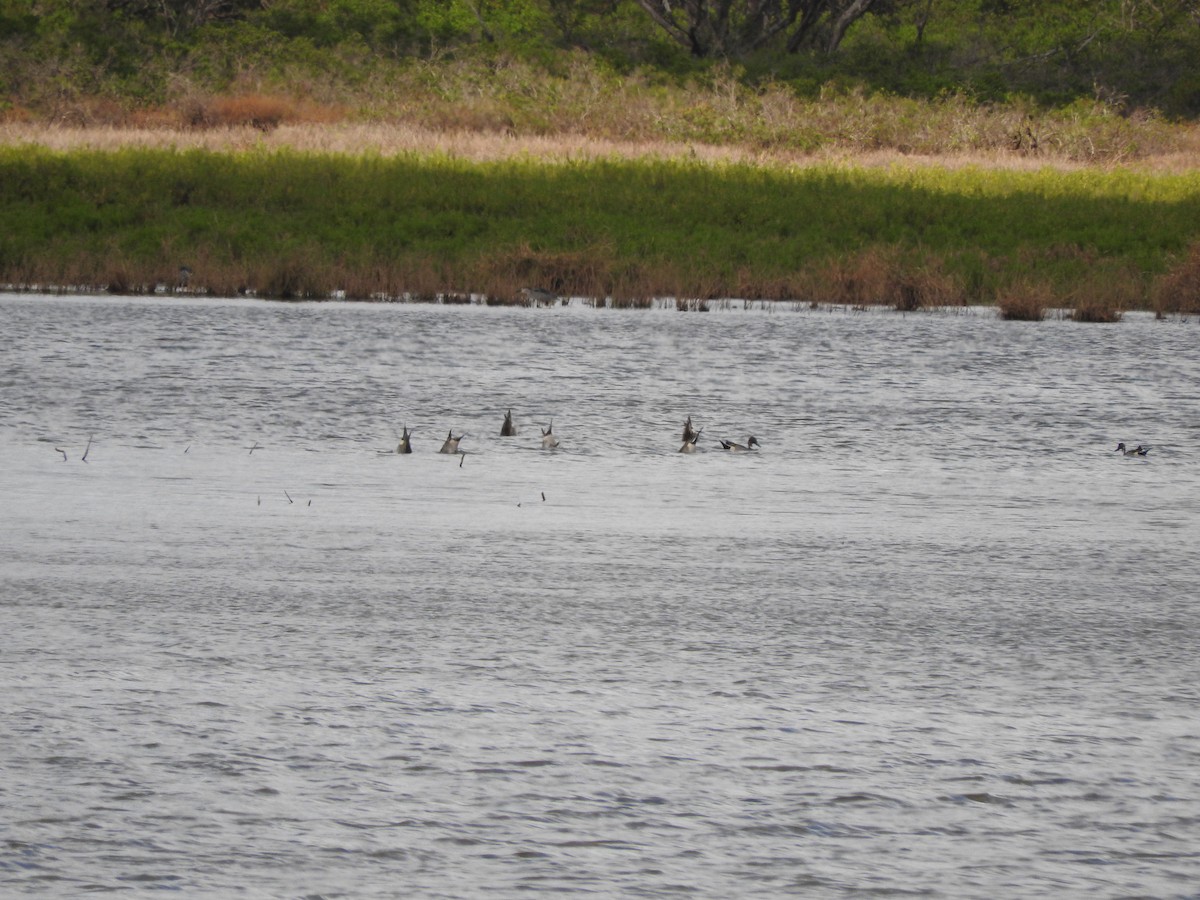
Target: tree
[735, 27]
[179, 16]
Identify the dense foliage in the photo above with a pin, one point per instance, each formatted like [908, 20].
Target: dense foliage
[1128, 54]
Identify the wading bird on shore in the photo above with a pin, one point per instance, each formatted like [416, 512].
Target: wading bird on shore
[539, 296]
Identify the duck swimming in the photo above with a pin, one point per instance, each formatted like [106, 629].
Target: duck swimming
[508, 429]
[751, 444]
[405, 442]
[689, 444]
[1139, 450]
[451, 444]
[549, 441]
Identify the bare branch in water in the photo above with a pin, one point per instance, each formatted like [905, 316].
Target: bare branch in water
[289, 496]
[255, 447]
[87, 449]
[63, 452]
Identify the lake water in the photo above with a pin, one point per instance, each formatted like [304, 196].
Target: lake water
[934, 638]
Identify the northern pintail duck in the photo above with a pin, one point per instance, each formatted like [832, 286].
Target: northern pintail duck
[508, 429]
[451, 443]
[405, 442]
[689, 444]
[549, 441]
[1139, 450]
[751, 444]
[689, 433]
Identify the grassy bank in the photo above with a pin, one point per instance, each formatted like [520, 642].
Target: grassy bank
[292, 224]
[584, 100]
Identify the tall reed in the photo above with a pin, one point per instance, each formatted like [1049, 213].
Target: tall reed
[1023, 300]
[1178, 289]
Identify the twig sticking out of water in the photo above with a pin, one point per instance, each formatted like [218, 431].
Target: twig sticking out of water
[255, 447]
[187, 448]
[462, 458]
[63, 452]
[310, 503]
[289, 496]
[87, 449]
[543, 496]
[260, 499]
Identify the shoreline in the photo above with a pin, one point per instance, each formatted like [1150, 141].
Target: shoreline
[724, 305]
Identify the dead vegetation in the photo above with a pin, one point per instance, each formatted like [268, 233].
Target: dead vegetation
[1178, 291]
[465, 116]
[1024, 300]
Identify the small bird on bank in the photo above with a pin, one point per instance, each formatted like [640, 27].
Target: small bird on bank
[405, 445]
[1139, 450]
[549, 441]
[689, 433]
[539, 296]
[451, 443]
[734, 447]
[508, 429]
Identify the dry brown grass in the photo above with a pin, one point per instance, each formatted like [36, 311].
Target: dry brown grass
[1095, 311]
[501, 276]
[1024, 301]
[192, 111]
[1178, 291]
[255, 111]
[244, 125]
[1104, 295]
[880, 276]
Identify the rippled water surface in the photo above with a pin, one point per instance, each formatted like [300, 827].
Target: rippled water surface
[934, 638]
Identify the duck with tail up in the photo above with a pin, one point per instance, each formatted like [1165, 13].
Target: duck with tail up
[689, 433]
[405, 442]
[508, 429]
[451, 443]
[734, 447]
[1139, 450]
[549, 441]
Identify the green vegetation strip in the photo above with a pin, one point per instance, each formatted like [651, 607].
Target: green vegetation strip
[301, 224]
